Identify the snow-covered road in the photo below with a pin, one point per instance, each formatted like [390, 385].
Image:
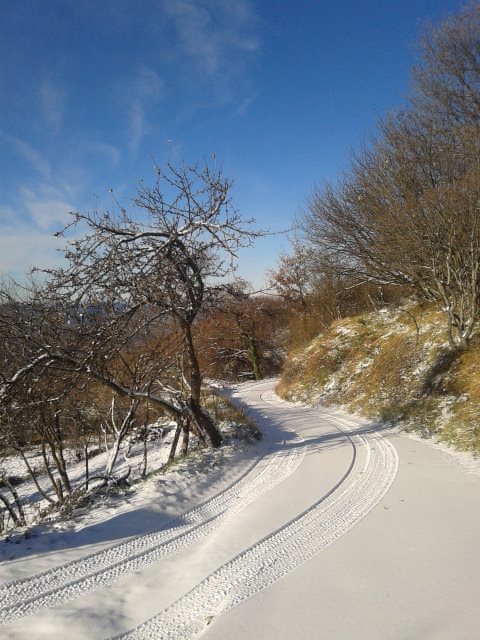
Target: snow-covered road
[247, 563]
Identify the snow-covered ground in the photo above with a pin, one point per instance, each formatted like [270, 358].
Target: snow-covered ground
[189, 475]
[130, 457]
[328, 528]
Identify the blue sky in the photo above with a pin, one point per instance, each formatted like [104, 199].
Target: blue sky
[280, 91]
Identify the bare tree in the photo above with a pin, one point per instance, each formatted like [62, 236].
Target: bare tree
[125, 280]
[243, 333]
[318, 293]
[13, 507]
[447, 82]
[294, 277]
[408, 211]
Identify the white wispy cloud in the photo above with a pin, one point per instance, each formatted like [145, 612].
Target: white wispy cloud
[148, 86]
[244, 105]
[8, 217]
[52, 101]
[100, 150]
[26, 228]
[47, 205]
[146, 89]
[212, 33]
[138, 126]
[23, 248]
[35, 159]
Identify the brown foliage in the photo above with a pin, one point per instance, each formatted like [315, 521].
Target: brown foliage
[242, 335]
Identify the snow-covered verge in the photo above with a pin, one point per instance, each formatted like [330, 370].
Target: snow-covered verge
[279, 543]
[393, 364]
[278, 510]
[50, 525]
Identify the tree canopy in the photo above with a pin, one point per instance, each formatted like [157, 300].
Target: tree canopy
[408, 210]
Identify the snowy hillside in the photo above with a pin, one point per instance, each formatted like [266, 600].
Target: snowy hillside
[394, 364]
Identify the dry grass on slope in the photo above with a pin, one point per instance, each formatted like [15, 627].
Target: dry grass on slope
[395, 365]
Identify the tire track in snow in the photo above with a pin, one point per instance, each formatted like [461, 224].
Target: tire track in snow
[290, 546]
[56, 586]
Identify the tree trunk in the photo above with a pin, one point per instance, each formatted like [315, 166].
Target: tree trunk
[34, 477]
[119, 436]
[56, 485]
[206, 424]
[16, 519]
[145, 450]
[185, 437]
[202, 419]
[57, 455]
[254, 358]
[19, 520]
[173, 448]
[87, 470]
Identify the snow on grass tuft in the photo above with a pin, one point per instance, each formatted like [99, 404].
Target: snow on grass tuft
[393, 364]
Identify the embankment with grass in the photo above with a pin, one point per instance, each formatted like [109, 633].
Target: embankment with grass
[393, 364]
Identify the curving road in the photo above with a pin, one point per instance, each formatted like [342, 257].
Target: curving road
[267, 556]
